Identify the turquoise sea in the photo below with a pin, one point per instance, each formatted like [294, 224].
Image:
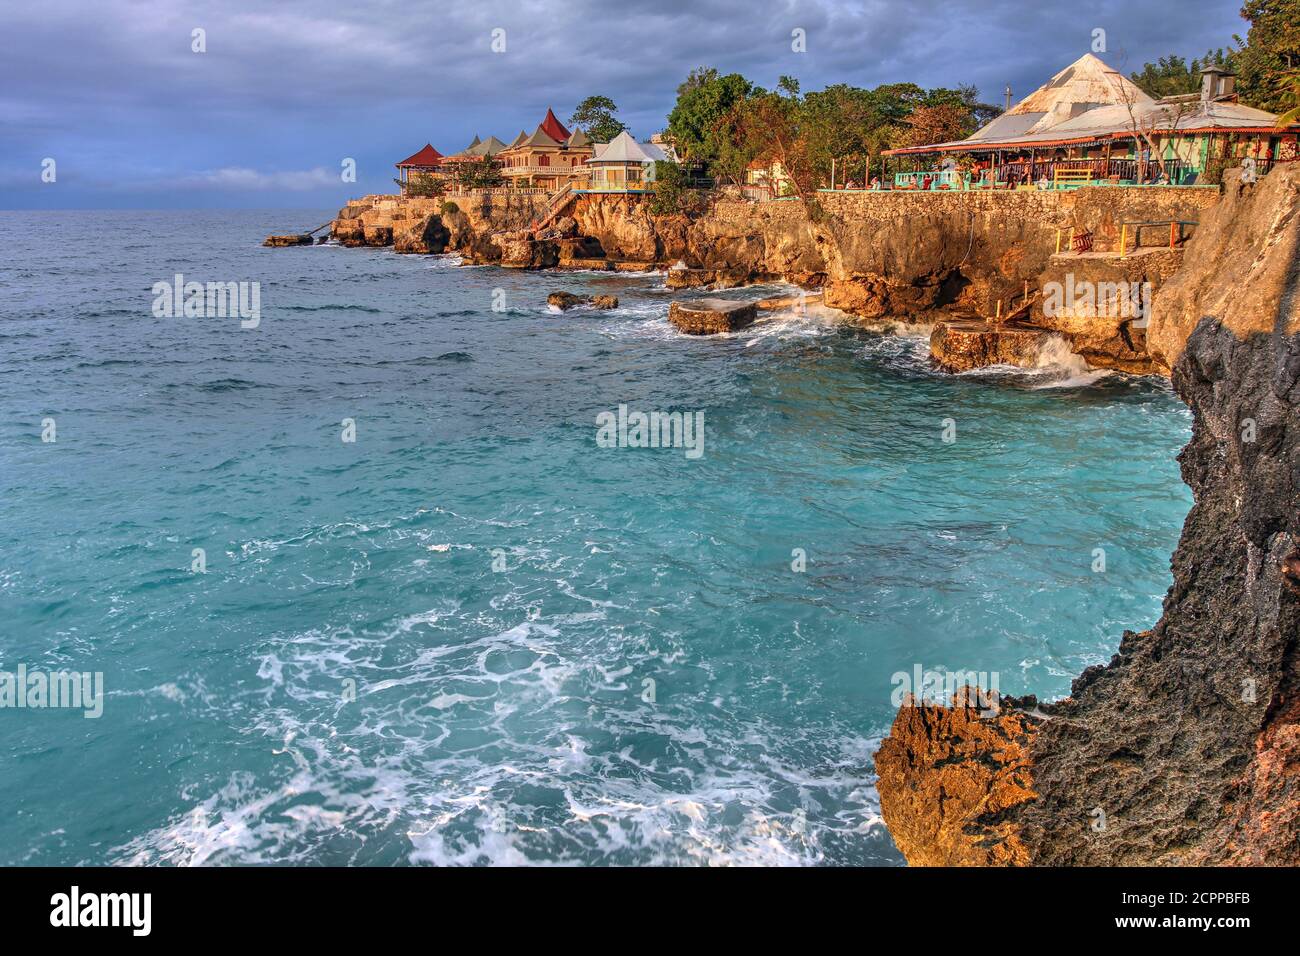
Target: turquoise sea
[474, 636]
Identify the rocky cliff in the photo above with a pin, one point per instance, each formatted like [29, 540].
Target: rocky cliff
[897, 255]
[469, 225]
[1185, 748]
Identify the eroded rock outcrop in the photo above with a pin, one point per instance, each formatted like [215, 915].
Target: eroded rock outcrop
[568, 300]
[1185, 748]
[1101, 304]
[291, 239]
[483, 228]
[962, 345]
[711, 316]
[952, 776]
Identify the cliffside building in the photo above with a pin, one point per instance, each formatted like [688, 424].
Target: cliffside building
[424, 165]
[1091, 124]
[623, 165]
[551, 157]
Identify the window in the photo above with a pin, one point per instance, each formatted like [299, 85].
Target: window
[543, 160]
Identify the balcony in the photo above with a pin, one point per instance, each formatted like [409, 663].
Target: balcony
[562, 171]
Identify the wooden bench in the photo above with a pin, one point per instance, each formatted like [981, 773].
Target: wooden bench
[1067, 177]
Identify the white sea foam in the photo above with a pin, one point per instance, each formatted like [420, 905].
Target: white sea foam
[1062, 368]
[451, 732]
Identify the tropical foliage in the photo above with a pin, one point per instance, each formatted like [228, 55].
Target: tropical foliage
[728, 124]
[1270, 51]
[1174, 76]
[595, 117]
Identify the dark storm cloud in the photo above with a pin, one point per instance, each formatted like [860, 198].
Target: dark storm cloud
[111, 90]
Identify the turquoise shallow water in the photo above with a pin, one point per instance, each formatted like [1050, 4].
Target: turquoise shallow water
[502, 715]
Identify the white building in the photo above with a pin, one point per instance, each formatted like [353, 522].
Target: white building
[623, 165]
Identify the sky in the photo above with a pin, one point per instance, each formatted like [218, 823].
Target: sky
[285, 92]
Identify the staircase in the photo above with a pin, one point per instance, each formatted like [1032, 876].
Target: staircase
[560, 200]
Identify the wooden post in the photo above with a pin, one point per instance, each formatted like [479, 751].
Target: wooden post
[1172, 226]
[1058, 240]
[1123, 240]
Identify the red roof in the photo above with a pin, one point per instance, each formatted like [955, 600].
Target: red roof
[427, 157]
[554, 128]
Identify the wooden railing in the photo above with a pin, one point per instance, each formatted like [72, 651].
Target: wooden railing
[559, 200]
[1176, 236]
[1024, 172]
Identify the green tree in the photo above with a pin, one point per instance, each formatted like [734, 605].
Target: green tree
[595, 117]
[1174, 76]
[964, 103]
[479, 174]
[771, 131]
[702, 124]
[1271, 50]
[673, 192]
[423, 186]
[1290, 85]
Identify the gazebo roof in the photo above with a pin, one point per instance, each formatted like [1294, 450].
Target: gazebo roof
[426, 158]
[624, 149]
[1076, 104]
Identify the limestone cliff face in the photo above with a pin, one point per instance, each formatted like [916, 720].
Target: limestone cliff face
[1236, 269]
[468, 225]
[897, 255]
[893, 254]
[1186, 747]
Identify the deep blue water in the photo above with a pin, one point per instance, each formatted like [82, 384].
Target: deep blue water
[500, 716]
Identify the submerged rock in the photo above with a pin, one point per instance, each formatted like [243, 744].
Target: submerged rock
[965, 344]
[565, 300]
[289, 240]
[709, 278]
[568, 300]
[711, 316]
[781, 303]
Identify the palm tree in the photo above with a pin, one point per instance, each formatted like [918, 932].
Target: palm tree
[1290, 83]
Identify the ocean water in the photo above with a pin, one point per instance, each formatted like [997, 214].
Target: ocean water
[473, 635]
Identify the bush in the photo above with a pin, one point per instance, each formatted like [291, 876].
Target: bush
[426, 187]
[674, 194]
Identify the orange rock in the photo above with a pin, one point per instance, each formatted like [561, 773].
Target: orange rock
[947, 776]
